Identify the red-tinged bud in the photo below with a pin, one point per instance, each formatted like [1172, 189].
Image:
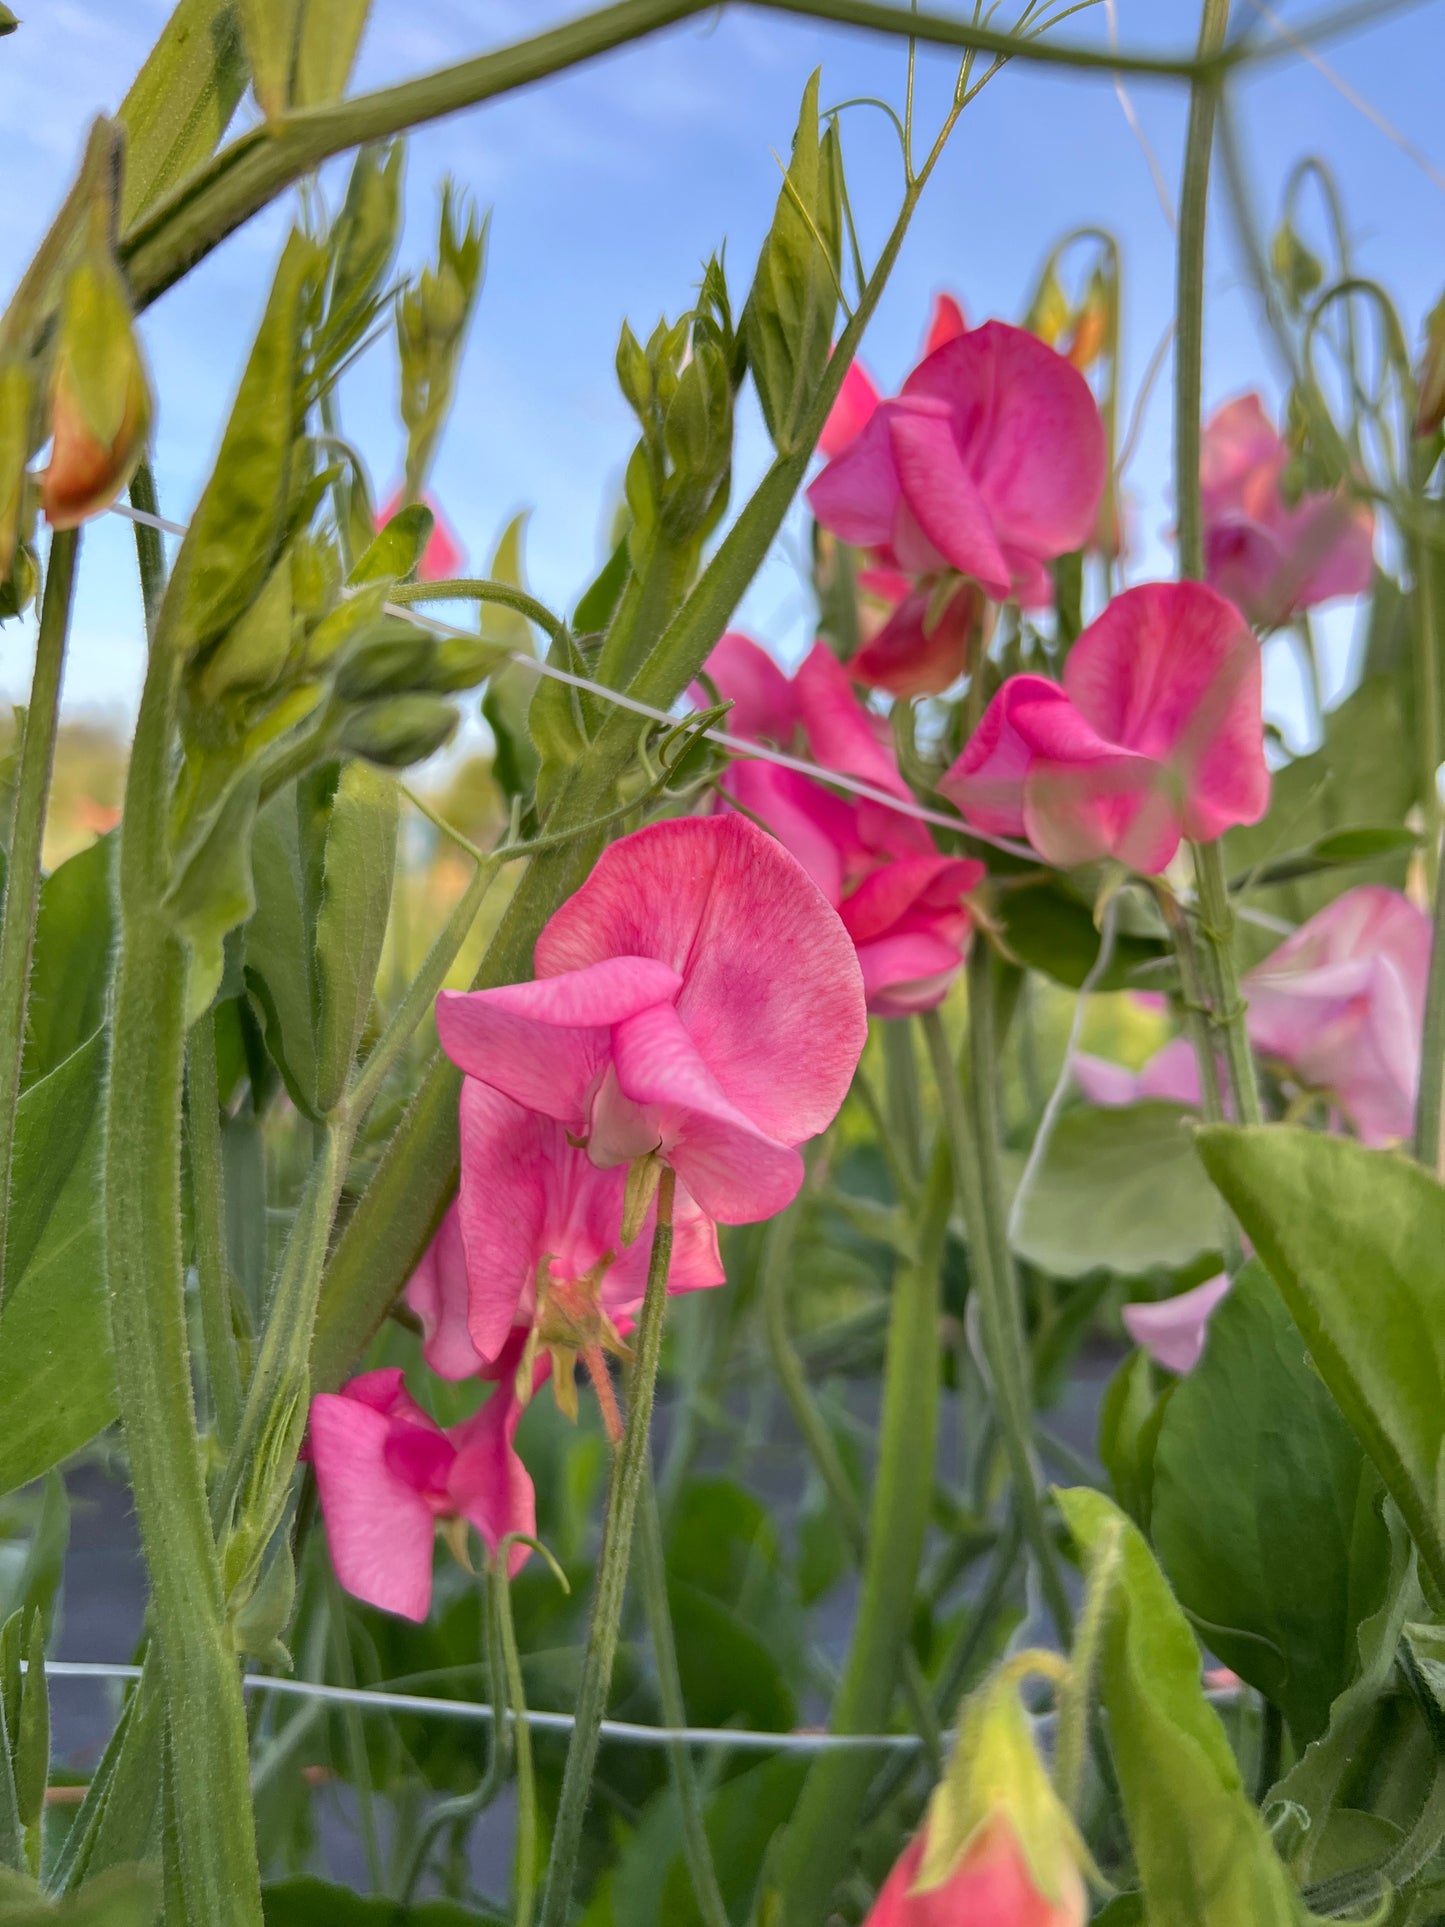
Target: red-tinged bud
[1430, 411]
[997, 1847]
[100, 398]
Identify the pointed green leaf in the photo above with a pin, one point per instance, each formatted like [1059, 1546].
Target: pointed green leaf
[32, 1741]
[1355, 1240]
[269, 29]
[181, 102]
[331, 33]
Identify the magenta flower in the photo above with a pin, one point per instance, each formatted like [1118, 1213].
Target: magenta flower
[993, 1885]
[697, 998]
[442, 557]
[1171, 1073]
[1156, 734]
[1340, 1006]
[1271, 559]
[387, 1475]
[921, 643]
[535, 1239]
[990, 463]
[858, 397]
[904, 905]
[1173, 1330]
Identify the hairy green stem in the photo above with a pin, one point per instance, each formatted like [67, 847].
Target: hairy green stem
[629, 1469]
[145, 1274]
[1227, 1004]
[524, 1897]
[653, 1574]
[1000, 1316]
[22, 875]
[208, 1214]
[820, 1839]
[150, 551]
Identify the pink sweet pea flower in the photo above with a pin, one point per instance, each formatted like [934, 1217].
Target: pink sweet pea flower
[902, 903]
[1156, 734]
[1271, 559]
[1171, 1073]
[991, 1886]
[921, 645]
[535, 1238]
[387, 1474]
[442, 557]
[1341, 1004]
[1173, 1330]
[991, 463]
[697, 998]
[858, 397]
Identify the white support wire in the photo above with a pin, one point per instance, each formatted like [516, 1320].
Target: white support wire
[734, 745]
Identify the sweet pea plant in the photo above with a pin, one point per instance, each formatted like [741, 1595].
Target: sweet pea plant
[761, 1098]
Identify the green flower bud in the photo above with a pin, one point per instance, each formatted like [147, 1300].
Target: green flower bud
[8, 22]
[392, 656]
[461, 662]
[17, 396]
[18, 587]
[399, 730]
[100, 398]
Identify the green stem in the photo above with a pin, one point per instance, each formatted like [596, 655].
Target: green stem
[821, 1836]
[208, 1212]
[695, 1847]
[1228, 1008]
[22, 876]
[905, 1108]
[1427, 645]
[475, 588]
[1430, 1104]
[980, 1197]
[524, 1898]
[629, 1468]
[150, 551]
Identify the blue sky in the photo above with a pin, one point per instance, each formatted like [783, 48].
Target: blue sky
[610, 186]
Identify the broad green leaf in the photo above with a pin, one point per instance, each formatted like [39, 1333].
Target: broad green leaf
[1258, 1490]
[125, 1897]
[729, 1676]
[1201, 1847]
[1355, 1240]
[1051, 930]
[181, 102]
[315, 1903]
[351, 920]
[73, 939]
[56, 1383]
[331, 33]
[1120, 1190]
[38, 1581]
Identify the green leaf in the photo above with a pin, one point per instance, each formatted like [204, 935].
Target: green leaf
[32, 1740]
[39, 1578]
[269, 29]
[1049, 928]
[125, 1897]
[397, 548]
[1257, 1493]
[212, 893]
[1130, 1416]
[1355, 1240]
[56, 1383]
[1203, 1854]
[331, 33]
[599, 603]
[351, 919]
[74, 932]
[315, 1903]
[787, 325]
[1120, 1189]
[181, 101]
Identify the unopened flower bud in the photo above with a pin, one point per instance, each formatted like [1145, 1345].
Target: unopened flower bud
[1298, 271]
[461, 662]
[399, 730]
[100, 398]
[19, 584]
[1430, 412]
[392, 656]
[17, 393]
[8, 22]
[1092, 324]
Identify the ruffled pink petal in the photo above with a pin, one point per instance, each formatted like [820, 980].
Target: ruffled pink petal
[816, 825]
[489, 1484]
[437, 1293]
[842, 735]
[1030, 432]
[991, 1886]
[696, 1262]
[850, 413]
[909, 970]
[502, 1206]
[908, 657]
[1173, 1330]
[1104, 1083]
[735, 1172]
[772, 997]
[944, 497]
[1244, 561]
[857, 495]
[987, 780]
[1238, 441]
[896, 888]
[379, 1527]
[764, 705]
[385, 1391]
[1173, 1073]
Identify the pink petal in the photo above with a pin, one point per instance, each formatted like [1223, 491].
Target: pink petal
[772, 997]
[490, 1486]
[1173, 1330]
[1238, 441]
[736, 1173]
[895, 888]
[384, 1391]
[816, 825]
[1173, 1073]
[378, 1527]
[696, 1262]
[909, 658]
[437, 1293]
[1030, 431]
[857, 495]
[909, 970]
[1102, 1083]
[849, 415]
[944, 497]
[506, 1155]
[987, 780]
[764, 705]
[945, 324]
[842, 735]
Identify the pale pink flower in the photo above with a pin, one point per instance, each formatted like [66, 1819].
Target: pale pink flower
[1341, 1004]
[387, 1475]
[992, 1886]
[1268, 558]
[1171, 1073]
[904, 905]
[698, 998]
[442, 557]
[1173, 1330]
[1155, 734]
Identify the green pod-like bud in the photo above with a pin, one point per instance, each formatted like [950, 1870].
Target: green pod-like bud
[634, 377]
[393, 656]
[1298, 270]
[253, 654]
[336, 632]
[8, 22]
[100, 396]
[461, 662]
[396, 549]
[399, 730]
[19, 585]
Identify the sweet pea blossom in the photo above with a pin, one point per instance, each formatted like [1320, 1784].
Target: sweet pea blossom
[1341, 1004]
[1155, 734]
[697, 999]
[858, 396]
[903, 905]
[1172, 1073]
[1270, 559]
[1173, 1330]
[534, 1239]
[442, 556]
[991, 462]
[387, 1475]
[991, 1887]
[917, 639]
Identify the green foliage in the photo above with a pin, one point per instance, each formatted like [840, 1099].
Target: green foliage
[1130, 1416]
[1119, 1189]
[431, 326]
[1355, 1240]
[1050, 928]
[74, 931]
[326, 49]
[1264, 1508]
[181, 102]
[125, 1897]
[1202, 1850]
